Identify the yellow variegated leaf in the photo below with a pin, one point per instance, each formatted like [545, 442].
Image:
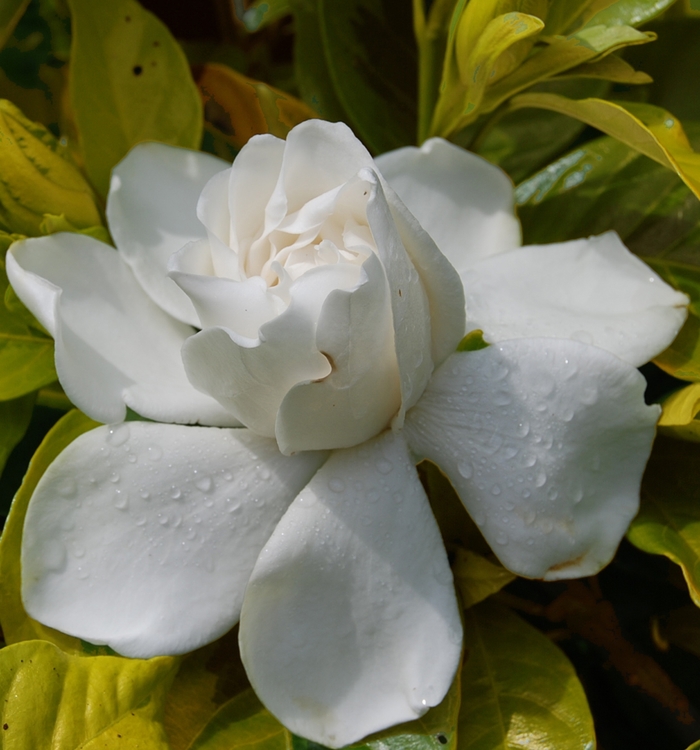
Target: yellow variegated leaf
[680, 411]
[650, 130]
[36, 178]
[50, 700]
[610, 68]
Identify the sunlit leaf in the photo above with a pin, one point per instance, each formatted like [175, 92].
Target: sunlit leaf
[518, 688]
[669, 519]
[476, 577]
[10, 13]
[680, 410]
[610, 68]
[568, 15]
[14, 420]
[130, 82]
[650, 130]
[370, 53]
[241, 107]
[49, 699]
[16, 624]
[36, 177]
[630, 12]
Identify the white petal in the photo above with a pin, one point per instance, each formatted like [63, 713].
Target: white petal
[250, 377]
[409, 302]
[243, 306]
[441, 282]
[142, 536]
[319, 157]
[362, 393]
[114, 346]
[593, 290]
[350, 623]
[465, 204]
[152, 212]
[545, 441]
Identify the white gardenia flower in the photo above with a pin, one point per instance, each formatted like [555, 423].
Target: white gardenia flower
[296, 294]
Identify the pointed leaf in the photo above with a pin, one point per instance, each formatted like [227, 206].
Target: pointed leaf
[680, 411]
[49, 699]
[650, 130]
[518, 688]
[16, 624]
[129, 82]
[477, 578]
[630, 12]
[243, 107]
[669, 520]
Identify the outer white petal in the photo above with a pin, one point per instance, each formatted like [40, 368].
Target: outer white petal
[152, 212]
[441, 282]
[464, 203]
[362, 393]
[545, 441]
[409, 302]
[114, 346]
[143, 536]
[593, 290]
[350, 623]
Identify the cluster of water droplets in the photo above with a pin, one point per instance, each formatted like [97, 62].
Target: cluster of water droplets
[159, 506]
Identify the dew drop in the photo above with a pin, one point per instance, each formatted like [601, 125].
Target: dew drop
[337, 485]
[510, 505]
[68, 488]
[373, 496]
[145, 494]
[155, 452]
[496, 490]
[526, 494]
[502, 398]
[465, 469]
[529, 517]
[578, 496]
[540, 479]
[264, 473]
[191, 534]
[82, 574]
[204, 484]
[228, 476]
[78, 551]
[501, 537]
[479, 517]
[384, 466]
[114, 477]
[118, 435]
[175, 493]
[141, 521]
[121, 500]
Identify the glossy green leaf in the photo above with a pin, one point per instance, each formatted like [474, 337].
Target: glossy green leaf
[10, 13]
[262, 13]
[477, 577]
[669, 519]
[680, 412]
[129, 82]
[566, 16]
[630, 12]
[49, 699]
[650, 130]
[518, 688]
[312, 74]
[15, 416]
[370, 53]
[16, 624]
[36, 177]
[610, 68]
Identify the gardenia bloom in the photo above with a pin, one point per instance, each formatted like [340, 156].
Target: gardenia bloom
[298, 294]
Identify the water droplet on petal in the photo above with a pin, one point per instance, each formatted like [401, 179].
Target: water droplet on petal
[175, 493]
[121, 500]
[155, 452]
[204, 484]
[501, 537]
[114, 477]
[384, 466]
[67, 488]
[337, 485]
[496, 490]
[465, 469]
[118, 434]
[540, 479]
